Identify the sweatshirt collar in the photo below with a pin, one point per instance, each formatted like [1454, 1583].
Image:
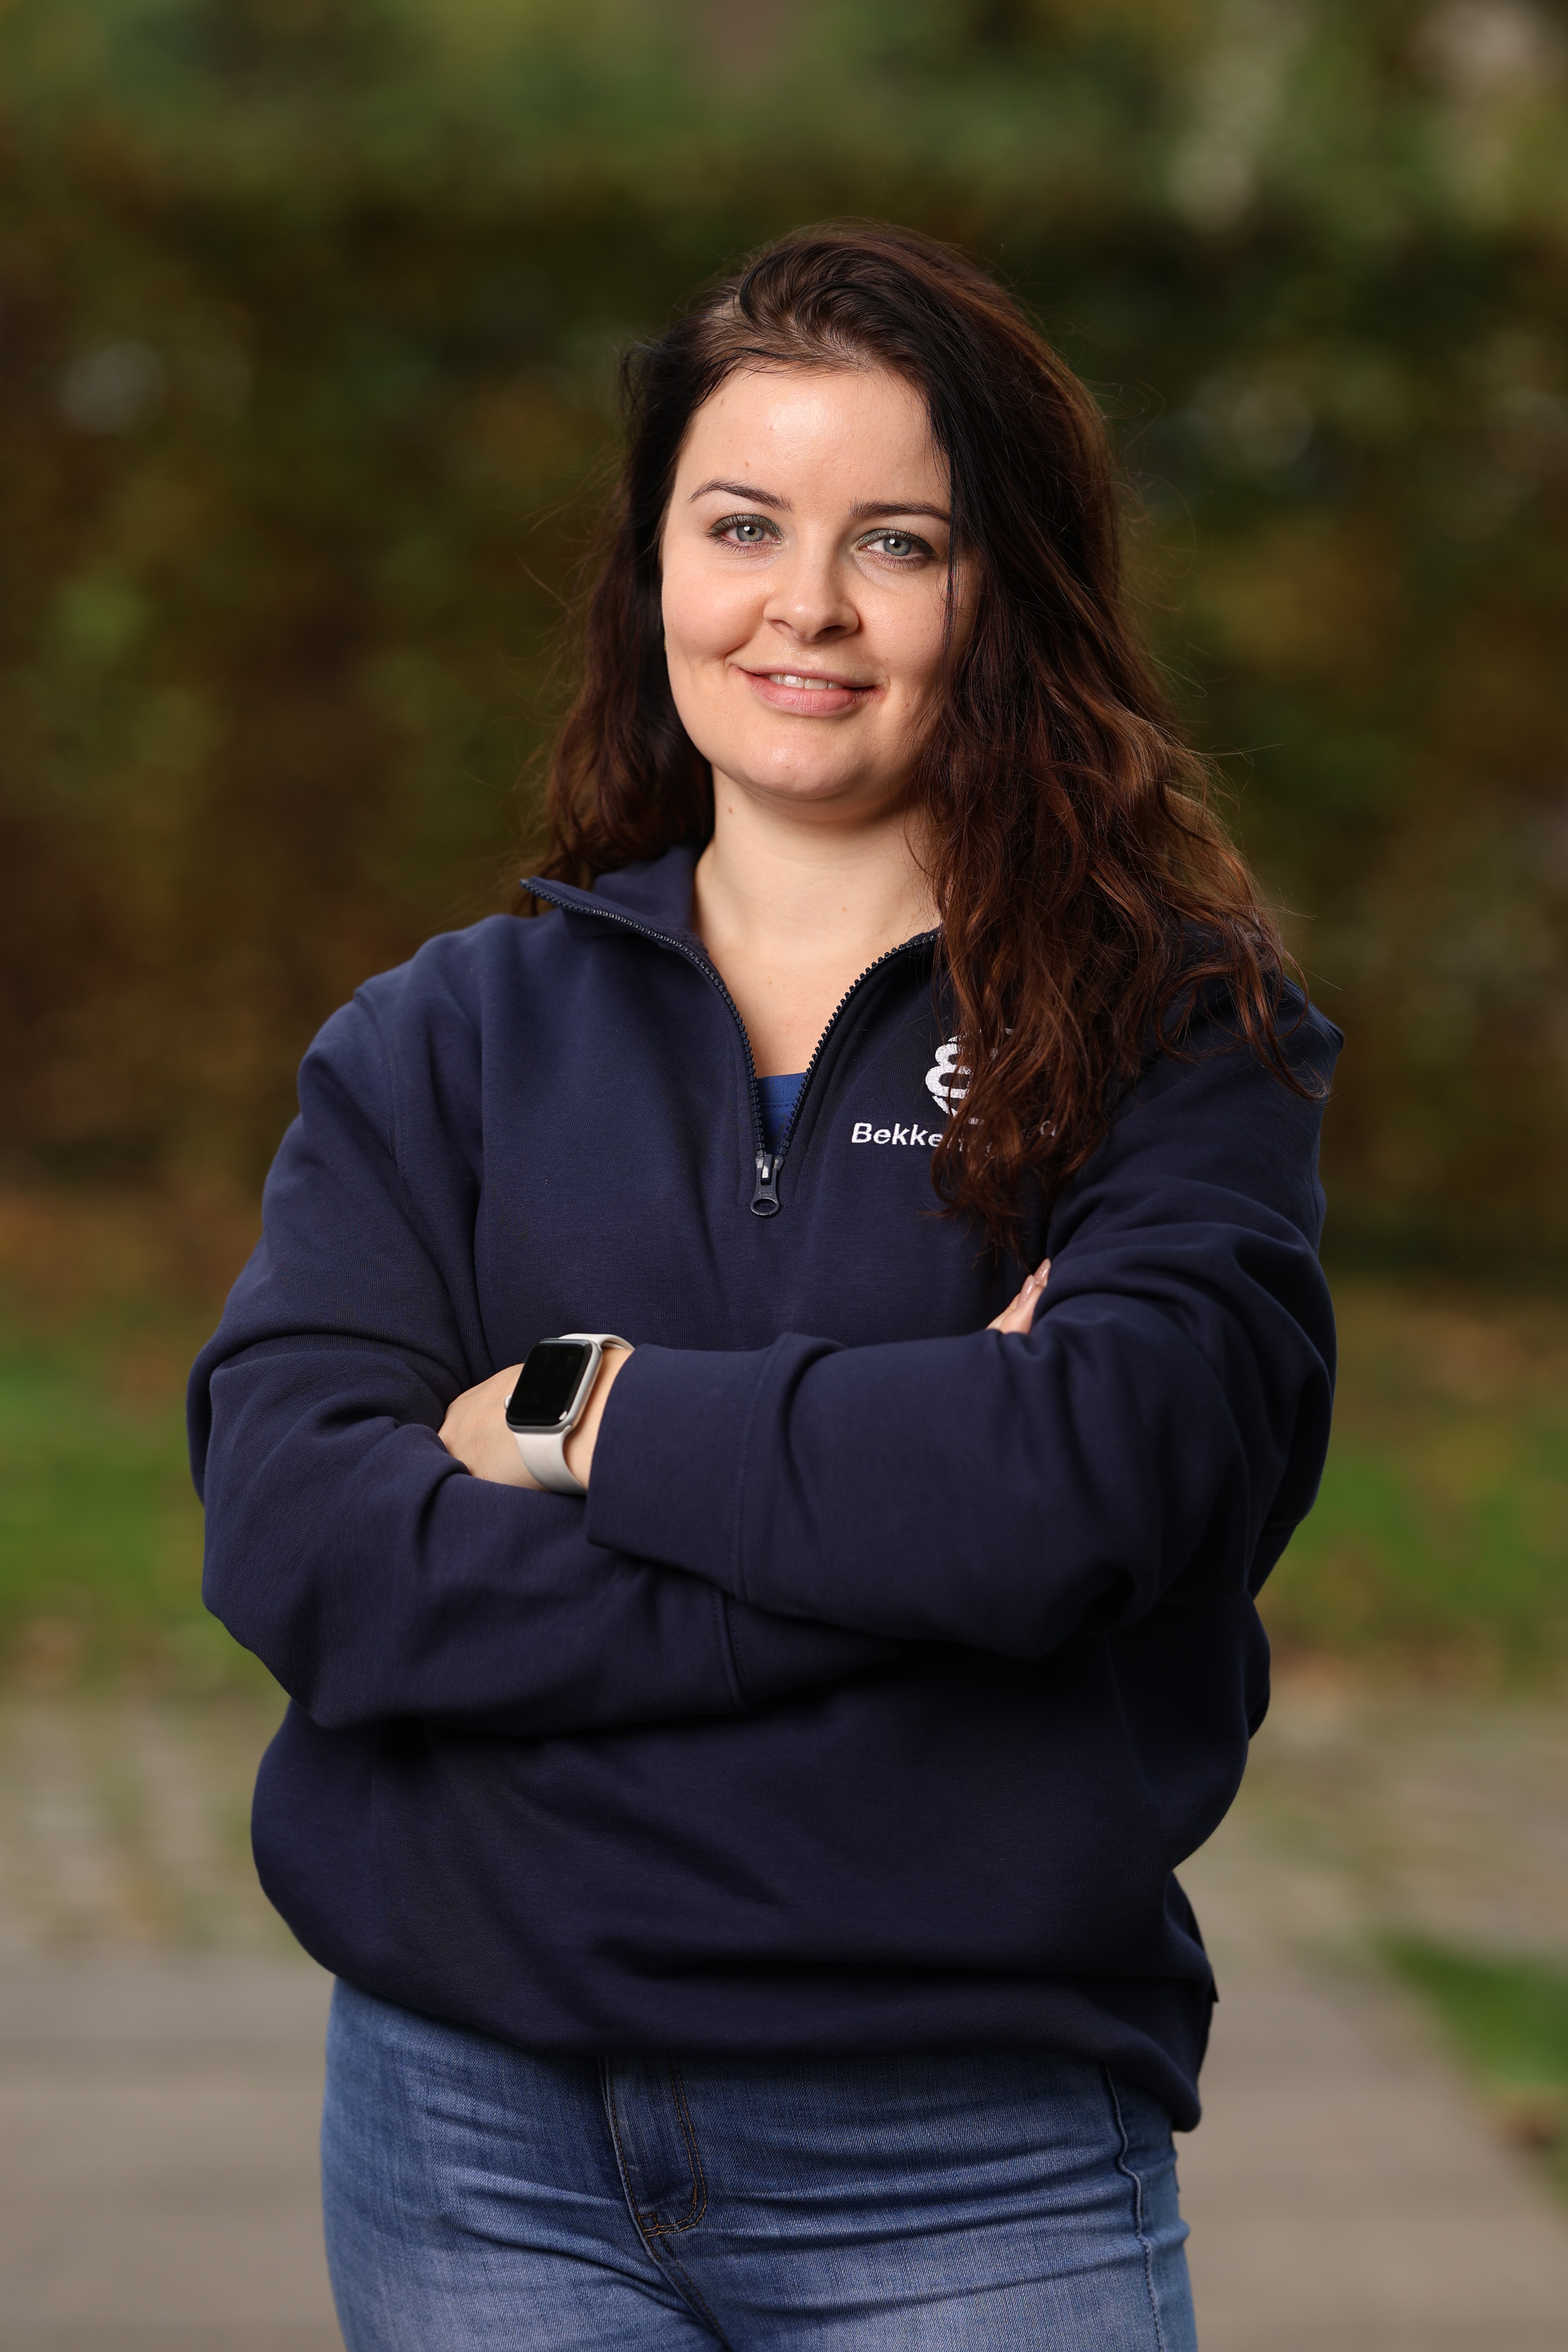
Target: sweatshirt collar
[657, 892]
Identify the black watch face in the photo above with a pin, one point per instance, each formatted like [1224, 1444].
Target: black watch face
[547, 1384]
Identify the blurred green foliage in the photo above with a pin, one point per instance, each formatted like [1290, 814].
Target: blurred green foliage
[308, 312]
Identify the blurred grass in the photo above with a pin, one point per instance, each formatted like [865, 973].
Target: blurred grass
[1438, 1549]
[100, 1536]
[103, 1302]
[1440, 1537]
[1509, 2018]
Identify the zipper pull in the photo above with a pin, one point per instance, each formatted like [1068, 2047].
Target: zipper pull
[765, 1198]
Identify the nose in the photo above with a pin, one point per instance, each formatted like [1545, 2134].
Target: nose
[809, 596]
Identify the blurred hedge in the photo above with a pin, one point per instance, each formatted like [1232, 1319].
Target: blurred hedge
[308, 317]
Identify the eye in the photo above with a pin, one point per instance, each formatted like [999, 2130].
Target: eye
[745, 531]
[897, 546]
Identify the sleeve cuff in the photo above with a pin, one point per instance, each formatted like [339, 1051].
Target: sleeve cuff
[666, 1486]
[667, 1466]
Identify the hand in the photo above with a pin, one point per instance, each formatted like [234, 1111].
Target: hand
[475, 1429]
[1020, 1314]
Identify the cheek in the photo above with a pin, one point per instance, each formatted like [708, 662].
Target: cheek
[913, 642]
[704, 616]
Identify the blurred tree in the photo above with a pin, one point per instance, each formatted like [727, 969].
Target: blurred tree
[309, 312]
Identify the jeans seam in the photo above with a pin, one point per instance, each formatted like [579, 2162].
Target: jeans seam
[607, 2078]
[1127, 2173]
[688, 2288]
[647, 2227]
[699, 2179]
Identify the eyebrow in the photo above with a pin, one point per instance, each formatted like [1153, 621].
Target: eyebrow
[863, 510]
[740, 490]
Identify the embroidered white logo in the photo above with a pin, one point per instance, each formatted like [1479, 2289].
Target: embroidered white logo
[942, 1083]
[942, 1076]
[863, 1132]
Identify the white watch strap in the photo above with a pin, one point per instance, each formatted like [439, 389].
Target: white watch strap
[543, 1451]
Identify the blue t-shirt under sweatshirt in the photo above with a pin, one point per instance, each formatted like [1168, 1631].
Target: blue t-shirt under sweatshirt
[776, 1098]
[891, 1666]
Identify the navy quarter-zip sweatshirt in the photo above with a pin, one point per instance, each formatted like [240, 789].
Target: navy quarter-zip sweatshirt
[891, 1666]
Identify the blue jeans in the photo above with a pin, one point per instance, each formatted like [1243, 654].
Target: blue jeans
[482, 2198]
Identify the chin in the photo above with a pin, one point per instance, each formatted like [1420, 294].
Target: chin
[790, 781]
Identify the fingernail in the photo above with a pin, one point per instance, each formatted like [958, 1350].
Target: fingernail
[1041, 1271]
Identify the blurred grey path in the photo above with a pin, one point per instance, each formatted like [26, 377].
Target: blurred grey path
[158, 2189]
[160, 2044]
[1344, 2192]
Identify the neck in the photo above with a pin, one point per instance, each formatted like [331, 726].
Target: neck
[781, 882]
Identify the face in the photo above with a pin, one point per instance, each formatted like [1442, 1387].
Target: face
[804, 560]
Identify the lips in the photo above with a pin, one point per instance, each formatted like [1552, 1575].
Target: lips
[805, 692]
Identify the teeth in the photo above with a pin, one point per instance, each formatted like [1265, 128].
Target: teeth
[788, 677]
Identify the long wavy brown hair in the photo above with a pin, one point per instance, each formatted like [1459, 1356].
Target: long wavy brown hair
[1088, 893]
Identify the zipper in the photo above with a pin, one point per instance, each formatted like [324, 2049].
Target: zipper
[765, 1200]
[765, 1192]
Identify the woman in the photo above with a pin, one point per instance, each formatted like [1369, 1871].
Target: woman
[739, 1796]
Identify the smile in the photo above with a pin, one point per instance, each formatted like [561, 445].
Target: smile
[806, 694]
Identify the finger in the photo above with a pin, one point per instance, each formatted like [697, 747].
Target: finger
[1019, 1316]
[1003, 1322]
[1030, 1296]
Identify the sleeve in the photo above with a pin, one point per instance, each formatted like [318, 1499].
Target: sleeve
[371, 1573]
[1164, 1422]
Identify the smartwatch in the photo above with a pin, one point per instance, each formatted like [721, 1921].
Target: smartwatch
[554, 1384]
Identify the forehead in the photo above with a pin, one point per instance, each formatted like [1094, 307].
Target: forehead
[859, 433]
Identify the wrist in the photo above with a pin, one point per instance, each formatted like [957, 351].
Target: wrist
[581, 1444]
